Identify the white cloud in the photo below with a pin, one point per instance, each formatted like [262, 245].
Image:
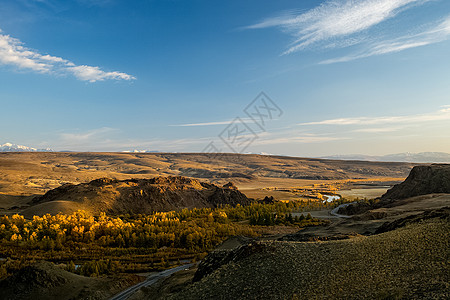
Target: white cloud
[439, 33]
[12, 52]
[93, 74]
[335, 20]
[442, 114]
[445, 109]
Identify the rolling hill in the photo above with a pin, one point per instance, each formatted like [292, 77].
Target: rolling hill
[136, 196]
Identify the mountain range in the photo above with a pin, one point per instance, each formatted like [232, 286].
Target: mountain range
[422, 157]
[8, 147]
[140, 151]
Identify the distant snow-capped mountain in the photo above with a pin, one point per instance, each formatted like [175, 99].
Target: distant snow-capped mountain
[422, 157]
[140, 151]
[8, 147]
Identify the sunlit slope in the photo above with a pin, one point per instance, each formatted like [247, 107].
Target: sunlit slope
[136, 196]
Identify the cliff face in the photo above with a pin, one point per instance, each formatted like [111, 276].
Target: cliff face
[144, 195]
[422, 180]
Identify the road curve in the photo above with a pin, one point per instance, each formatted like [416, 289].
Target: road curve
[152, 279]
[334, 211]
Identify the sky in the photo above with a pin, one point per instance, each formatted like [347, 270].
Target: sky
[299, 78]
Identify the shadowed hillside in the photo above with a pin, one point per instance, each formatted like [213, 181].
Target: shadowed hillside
[44, 280]
[421, 181]
[411, 262]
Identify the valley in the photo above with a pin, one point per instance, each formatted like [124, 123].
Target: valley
[25, 175]
[133, 221]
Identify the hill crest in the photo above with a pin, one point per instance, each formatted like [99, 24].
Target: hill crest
[143, 195]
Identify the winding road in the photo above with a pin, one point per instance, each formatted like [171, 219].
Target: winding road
[334, 211]
[152, 279]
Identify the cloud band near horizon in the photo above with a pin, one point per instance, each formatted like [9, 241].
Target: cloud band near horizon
[442, 114]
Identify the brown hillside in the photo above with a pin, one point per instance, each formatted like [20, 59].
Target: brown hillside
[142, 195]
[25, 175]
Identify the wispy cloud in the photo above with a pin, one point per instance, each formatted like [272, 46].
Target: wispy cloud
[111, 139]
[88, 136]
[302, 139]
[442, 114]
[378, 129]
[209, 123]
[437, 34]
[335, 20]
[13, 53]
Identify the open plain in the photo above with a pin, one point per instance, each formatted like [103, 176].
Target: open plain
[26, 175]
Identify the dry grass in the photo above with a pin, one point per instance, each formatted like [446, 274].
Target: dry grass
[26, 174]
[412, 262]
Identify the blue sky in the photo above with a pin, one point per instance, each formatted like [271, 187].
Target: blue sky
[368, 76]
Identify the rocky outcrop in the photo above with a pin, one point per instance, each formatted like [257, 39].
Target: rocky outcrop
[144, 195]
[422, 180]
[220, 257]
[230, 185]
[267, 200]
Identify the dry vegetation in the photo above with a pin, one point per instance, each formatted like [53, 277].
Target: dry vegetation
[37, 172]
[411, 262]
[24, 175]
